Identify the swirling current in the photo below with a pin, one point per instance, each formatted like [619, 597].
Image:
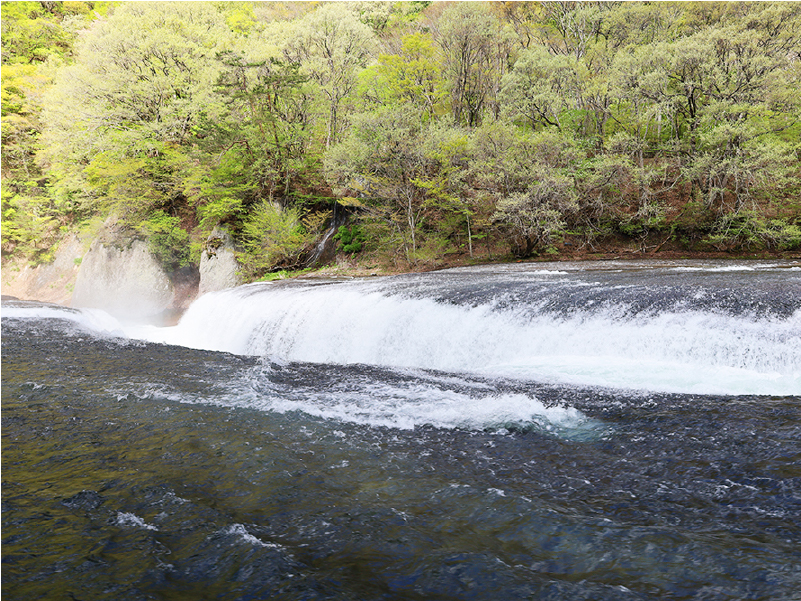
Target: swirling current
[546, 431]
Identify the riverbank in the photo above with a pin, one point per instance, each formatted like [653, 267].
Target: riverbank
[356, 268]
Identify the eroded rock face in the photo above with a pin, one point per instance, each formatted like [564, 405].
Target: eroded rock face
[51, 282]
[218, 265]
[126, 282]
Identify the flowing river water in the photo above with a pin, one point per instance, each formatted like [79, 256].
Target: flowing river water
[615, 430]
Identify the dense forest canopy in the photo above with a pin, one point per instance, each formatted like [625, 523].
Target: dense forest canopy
[432, 127]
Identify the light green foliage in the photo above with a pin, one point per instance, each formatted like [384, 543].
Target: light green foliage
[266, 125]
[571, 28]
[402, 175]
[31, 32]
[733, 178]
[533, 218]
[638, 76]
[120, 183]
[606, 184]
[283, 274]
[22, 88]
[534, 208]
[29, 227]
[239, 16]
[748, 229]
[273, 238]
[332, 46]
[220, 210]
[384, 16]
[133, 87]
[500, 158]
[642, 24]
[447, 189]
[217, 192]
[119, 119]
[541, 87]
[37, 39]
[476, 48]
[380, 162]
[130, 187]
[435, 124]
[167, 240]
[413, 76]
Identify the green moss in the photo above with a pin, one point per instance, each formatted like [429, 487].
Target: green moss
[352, 238]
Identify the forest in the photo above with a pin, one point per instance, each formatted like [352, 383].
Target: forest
[416, 131]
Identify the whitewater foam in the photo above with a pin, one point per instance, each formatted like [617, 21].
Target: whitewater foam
[130, 520]
[239, 531]
[677, 344]
[692, 351]
[92, 320]
[372, 401]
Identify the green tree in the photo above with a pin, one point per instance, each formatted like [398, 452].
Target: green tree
[446, 182]
[37, 39]
[22, 89]
[541, 88]
[413, 76]
[532, 181]
[379, 164]
[476, 49]
[266, 119]
[571, 28]
[120, 117]
[332, 46]
[273, 238]
[32, 32]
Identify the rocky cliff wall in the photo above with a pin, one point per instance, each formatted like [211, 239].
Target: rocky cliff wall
[51, 282]
[130, 283]
[126, 282]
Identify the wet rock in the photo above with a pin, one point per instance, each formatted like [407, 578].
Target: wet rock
[86, 500]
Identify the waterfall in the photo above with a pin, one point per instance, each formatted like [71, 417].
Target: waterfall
[683, 346]
[324, 247]
[548, 326]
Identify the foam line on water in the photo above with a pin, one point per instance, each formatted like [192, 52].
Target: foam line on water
[378, 403]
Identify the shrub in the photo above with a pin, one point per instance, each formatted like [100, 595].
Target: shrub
[352, 238]
[167, 240]
[273, 238]
[748, 229]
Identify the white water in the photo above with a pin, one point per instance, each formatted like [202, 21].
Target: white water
[92, 320]
[383, 404]
[683, 351]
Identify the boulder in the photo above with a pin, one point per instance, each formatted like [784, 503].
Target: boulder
[218, 265]
[126, 282]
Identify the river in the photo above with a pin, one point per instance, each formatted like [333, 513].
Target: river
[613, 430]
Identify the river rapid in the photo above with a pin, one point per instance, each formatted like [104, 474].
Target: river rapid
[615, 430]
